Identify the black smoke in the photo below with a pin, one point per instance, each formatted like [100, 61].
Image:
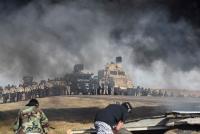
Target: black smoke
[155, 37]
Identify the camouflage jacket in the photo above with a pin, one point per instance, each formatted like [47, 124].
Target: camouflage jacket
[31, 120]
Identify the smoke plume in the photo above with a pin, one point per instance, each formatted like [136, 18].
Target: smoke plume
[158, 40]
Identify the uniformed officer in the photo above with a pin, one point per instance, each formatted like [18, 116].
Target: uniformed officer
[31, 120]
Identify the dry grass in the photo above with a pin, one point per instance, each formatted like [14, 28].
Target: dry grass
[77, 112]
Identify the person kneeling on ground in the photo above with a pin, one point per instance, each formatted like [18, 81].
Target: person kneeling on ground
[111, 119]
[31, 120]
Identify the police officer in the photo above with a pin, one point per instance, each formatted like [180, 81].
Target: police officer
[31, 120]
[110, 120]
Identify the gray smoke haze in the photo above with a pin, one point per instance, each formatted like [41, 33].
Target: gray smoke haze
[46, 39]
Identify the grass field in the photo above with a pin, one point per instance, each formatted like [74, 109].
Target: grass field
[77, 112]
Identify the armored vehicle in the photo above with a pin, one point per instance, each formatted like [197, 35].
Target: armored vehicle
[113, 79]
[80, 81]
[27, 80]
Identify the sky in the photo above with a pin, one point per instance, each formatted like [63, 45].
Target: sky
[157, 39]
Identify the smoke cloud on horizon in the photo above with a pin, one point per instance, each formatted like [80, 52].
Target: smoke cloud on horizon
[158, 42]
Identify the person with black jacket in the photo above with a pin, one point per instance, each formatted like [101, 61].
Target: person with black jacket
[112, 118]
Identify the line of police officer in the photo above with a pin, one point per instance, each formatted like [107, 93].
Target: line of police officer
[35, 90]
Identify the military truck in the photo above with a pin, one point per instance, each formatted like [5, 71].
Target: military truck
[27, 80]
[80, 80]
[113, 79]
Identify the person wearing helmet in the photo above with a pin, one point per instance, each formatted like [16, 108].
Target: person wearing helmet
[110, 120]
[31, 120]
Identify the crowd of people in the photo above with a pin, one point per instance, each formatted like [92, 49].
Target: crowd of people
[34, 90]
[60, 87]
